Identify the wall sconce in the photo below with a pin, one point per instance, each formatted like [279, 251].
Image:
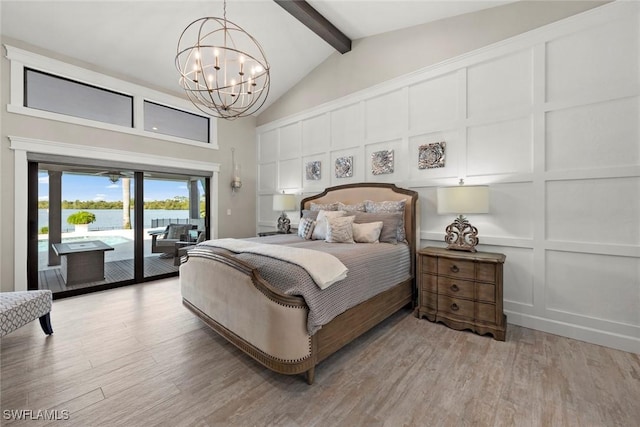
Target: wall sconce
[284, 202]
[463, 199]
[236, 181]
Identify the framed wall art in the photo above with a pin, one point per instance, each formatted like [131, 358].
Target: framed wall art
[431, 155]
[313, 170]
[344, 167]
[382, 162]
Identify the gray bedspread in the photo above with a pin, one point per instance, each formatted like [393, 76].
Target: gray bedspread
[373, 268]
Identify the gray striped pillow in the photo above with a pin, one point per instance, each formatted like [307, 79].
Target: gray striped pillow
[305, 228]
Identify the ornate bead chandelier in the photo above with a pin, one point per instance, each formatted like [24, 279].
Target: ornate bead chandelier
[223, 69]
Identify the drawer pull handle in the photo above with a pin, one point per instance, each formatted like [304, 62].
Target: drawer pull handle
[455, 268]
[454, 288]
[455, 307]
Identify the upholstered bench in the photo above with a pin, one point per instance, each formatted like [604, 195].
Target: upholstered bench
[19, 308]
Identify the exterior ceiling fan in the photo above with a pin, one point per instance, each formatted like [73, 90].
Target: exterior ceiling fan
[114, 176]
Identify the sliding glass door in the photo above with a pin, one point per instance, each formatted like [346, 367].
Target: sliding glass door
[174, 218]
[96, 228]
[85, 229]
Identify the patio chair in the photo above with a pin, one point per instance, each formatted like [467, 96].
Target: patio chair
[195, 237]
[164, 242]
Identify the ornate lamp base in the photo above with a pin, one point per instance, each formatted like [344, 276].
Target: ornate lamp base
[284, 223]
[461, 236]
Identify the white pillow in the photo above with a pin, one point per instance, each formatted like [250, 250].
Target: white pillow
[340, 230]
[368, 232]
[320, 230]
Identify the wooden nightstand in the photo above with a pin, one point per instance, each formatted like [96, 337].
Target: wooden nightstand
[274, 233]
[463, 290]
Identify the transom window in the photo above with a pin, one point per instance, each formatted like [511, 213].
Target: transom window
[54, 90]
[171, 121]
[47, 92]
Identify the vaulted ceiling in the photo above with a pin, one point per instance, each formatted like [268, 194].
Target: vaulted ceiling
[137, 39]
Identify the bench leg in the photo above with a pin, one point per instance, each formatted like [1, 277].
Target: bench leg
[45, 323]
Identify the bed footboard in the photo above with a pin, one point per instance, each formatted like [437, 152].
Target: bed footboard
[271, 327]
[238, 304]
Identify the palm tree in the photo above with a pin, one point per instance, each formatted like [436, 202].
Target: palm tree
[126, 201]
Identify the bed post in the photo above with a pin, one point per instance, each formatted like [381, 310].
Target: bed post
[311, 374]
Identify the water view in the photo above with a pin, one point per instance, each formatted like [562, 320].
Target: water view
[102, 248]
[111, 219]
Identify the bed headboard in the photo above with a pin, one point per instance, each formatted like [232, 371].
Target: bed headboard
[377, 192]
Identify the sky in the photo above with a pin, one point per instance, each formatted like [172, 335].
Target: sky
[90, 187]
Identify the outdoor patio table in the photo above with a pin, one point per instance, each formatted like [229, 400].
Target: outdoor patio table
[82, 262]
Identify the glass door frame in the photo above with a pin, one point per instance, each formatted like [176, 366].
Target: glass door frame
[138, 212]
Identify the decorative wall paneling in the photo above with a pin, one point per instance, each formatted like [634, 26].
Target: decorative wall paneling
[550, 120]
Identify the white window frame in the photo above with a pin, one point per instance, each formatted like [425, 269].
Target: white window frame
[21, 59]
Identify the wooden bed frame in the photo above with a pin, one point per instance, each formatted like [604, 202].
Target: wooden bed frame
[232, 298]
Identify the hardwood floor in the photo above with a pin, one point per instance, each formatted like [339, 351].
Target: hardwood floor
[135, 356]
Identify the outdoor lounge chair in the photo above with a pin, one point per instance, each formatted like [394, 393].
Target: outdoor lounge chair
[164, 242]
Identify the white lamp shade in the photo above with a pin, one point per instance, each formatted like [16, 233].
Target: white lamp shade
[284, 202]
[463, 199]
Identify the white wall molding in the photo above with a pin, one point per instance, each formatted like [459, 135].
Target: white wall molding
[550, 127]
[625, 342]
[512, 242]
[20, 222]
[584, 20]
[22, 146]
[33, 145]
[594, 173]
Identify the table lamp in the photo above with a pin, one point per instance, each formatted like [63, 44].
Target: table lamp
[284, 202]
[463, 199]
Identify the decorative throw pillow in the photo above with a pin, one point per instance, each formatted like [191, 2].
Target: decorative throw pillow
[320, 230]
[389, 206]
[358, 207]
[310, 214]
[368, 232]
[340, 230]
[390, 224]
[324, 206]
[305, 228]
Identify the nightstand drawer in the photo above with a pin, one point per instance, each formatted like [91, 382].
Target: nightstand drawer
[455, 287]
[486, 272]
[456, 268]
[429, 264]
[429, 283]
[459, 307]
[486, 313]
[429, 300]
[486, 292]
